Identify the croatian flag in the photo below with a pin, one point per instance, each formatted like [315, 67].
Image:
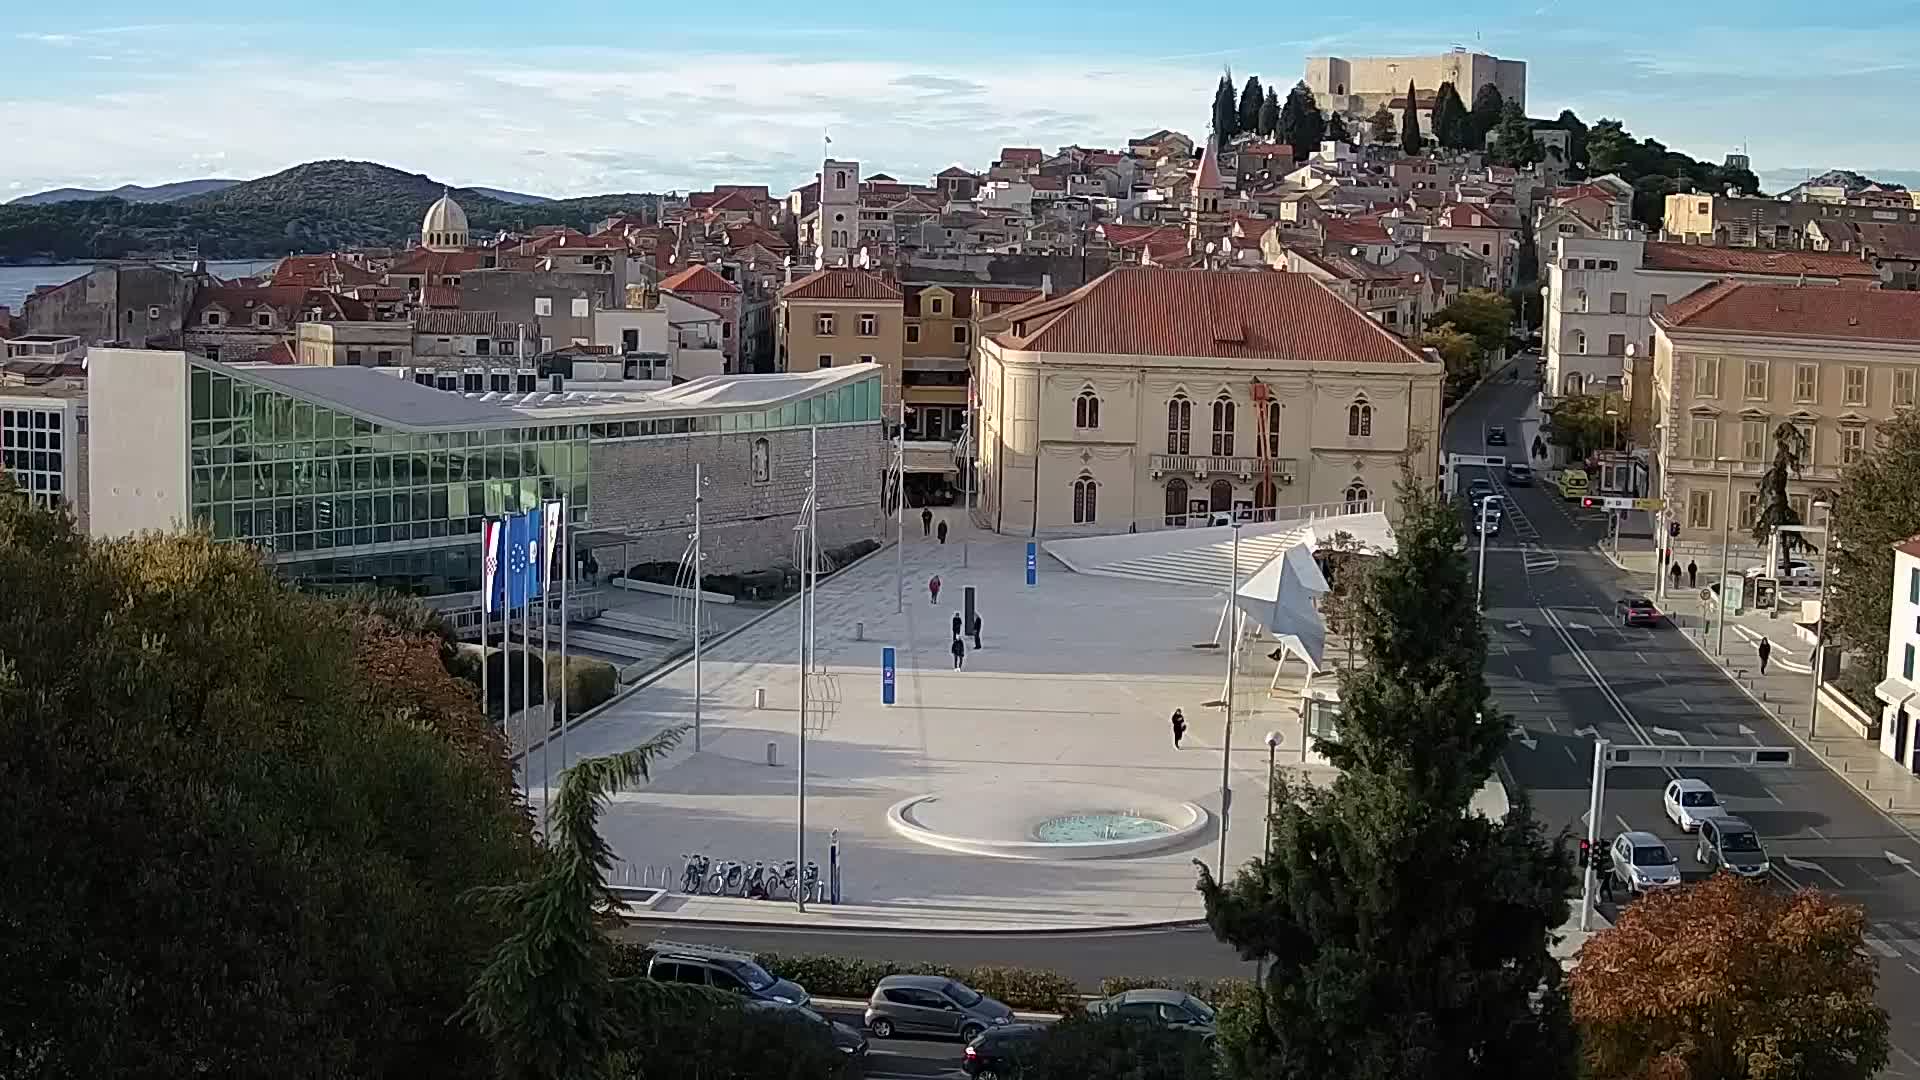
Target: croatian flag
[490, 537]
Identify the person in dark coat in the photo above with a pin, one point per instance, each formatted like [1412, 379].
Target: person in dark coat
[1179, 728]
[933, 587]
[941, 532]
[926, 522]
[959, 651]
[1765, 648]
[1693, 575]
[1673, 575]
[1603, 869]
[974, 631]
[956, 624]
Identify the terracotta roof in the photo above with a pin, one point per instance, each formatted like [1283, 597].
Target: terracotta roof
[1460, 216]
[426, 263]
[1122, 235]
[440, 296]
[1909, 546]
[280, 352]
[1887, 240]
[841, 283]
[732, 200]
[1355, 231]
[1005, 294]
[953, 172]
[1021, 155]
[292, 302]
[1048, 183]
[1103, 157]
[698, 279]
[1816, 311]
[1207, 176]
[1203, 313]
[456, 322]
[756, 192]
[1271, 149]
[1345, 267]
[321, 272]
[1733, 260]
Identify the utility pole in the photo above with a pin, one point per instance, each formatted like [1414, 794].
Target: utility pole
[1595, 800]
[1480, 579]
[900, 512]
[1726, 561]
[1820, 635]
[809, 582]
[699, 494]
[1226, 740]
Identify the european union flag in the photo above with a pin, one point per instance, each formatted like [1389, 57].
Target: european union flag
[522, 577]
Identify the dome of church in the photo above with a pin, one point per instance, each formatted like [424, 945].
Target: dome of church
[445, 226]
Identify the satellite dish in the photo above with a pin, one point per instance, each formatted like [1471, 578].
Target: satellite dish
[788, 261]
[1353, 251]
[1209, 247]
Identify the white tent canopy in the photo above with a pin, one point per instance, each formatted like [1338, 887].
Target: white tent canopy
[1281, 594]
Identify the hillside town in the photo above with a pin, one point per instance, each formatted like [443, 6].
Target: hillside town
[1617, 369]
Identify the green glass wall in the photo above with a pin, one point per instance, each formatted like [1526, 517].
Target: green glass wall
[295, 477]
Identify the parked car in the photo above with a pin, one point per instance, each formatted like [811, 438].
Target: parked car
[846, 1038]
[1519, 474]
[1167, 1008]
[1496, 435]
[932, 1005]
[1730, 843]
[1690, 801]
[722, 969]
[1796, 572]
[999, 1053]
[1641, 861]
[1638, 611]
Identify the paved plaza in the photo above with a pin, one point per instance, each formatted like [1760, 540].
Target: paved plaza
[1074, 687]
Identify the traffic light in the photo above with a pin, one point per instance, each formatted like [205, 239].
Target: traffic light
[1590, 503]
[1586, 852]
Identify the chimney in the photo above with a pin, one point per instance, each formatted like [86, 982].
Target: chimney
[558, 383]
[1046, 284]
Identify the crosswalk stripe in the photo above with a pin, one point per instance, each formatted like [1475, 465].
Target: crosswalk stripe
[1880, 947]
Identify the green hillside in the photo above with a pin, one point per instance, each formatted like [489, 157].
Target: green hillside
[316, 207]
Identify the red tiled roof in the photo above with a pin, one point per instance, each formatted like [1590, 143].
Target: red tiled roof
[698, 279]
[321, 272]
[440, 296]
[732, 200]
[1204, 313]
[1460, 216]
[1133, 236]
[841, 283]
[1048, 183]
[1733, 260]
[291, 302]
[1816, 311]
[953, 172]
[1271, 150]
[280, 352]
[1355, 231]
[1103, 157]
[484, 323]
[1888, 240]
[1021, 155]
[1909, 546]
[426, 263]
[756, 192]
[1005, 294]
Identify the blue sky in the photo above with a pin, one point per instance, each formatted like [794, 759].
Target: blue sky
[564, 97]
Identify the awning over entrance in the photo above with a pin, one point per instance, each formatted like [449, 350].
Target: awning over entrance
[1895, 691]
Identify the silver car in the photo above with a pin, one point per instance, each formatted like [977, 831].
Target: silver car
[1165, 1008]
[1732, 844]
[1641, 861]
[931, 1005]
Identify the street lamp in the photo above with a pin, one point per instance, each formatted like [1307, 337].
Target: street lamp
[1480, 578]
[1820, 628]
[1726, 555]
[1273, 746]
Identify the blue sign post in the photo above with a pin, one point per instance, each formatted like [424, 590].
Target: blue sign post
[886, 675]
[1033, 564]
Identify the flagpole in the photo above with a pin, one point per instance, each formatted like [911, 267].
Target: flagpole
[699, 481]
[546, 682]
[526, 667]
[486, 609]
[566, 546]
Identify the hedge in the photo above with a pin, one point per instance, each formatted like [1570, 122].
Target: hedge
[1219, 993]
[590, 682]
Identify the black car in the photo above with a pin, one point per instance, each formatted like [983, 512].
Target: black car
[1496, 435]
[847, 1039]
[999, 1053]
[1519, 474]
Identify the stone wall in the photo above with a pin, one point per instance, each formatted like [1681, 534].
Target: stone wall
[141, 306]
[645, 486]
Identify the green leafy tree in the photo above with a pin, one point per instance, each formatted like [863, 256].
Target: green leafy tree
[1488, 106]
[1270, 113]
[237, 819]
[1450, 120]
[1581, 424]
[1485, 314]
[1513, 144]
[1336, 129]
[1301, 125]
[1085, 1046]
[1403, 935]
[1459, 352]
[1226, 112]
[1410, 141]
[1381, 128]
[1876, 506]
[1610, 149]
[1526, 272]
[1251, 98]
[1776, 507]
[1576, 131]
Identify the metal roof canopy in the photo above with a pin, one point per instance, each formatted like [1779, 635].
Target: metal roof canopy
[1723, 757]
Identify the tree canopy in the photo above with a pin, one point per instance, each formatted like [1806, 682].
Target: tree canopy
[1270, 113]
[1485, 314]
[1876, 506]
[1776, 506]
[1410, 141]
[1579, 422]
[1337, 128]
[1452, 127]
[1251, 98]
[1512, 143]
[1226, 110]
[237, 819]
[1080, 1047]
[1381, 128]
[1731, 980]
[1653, 169]
[1458, 351]
[1488, 106]
[1301, 124]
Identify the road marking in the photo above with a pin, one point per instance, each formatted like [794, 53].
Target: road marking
[1671, 734]
[1640, 656]
[1589, 731]
[1750, 733]
[1902, 862]
[1684, 705]
[1662, 678]
[1534, 696]
[1624, 827]
[1818, 833]
[1520, 733]
[1575, 758]
[1885, 950]
[1808, 864]
[1550, 725]
[1580, 626]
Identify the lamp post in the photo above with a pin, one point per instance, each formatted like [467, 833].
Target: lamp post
[1726, 556]
[1480, 578]
[1273, 747]
[1820, 628]
[1226, 739]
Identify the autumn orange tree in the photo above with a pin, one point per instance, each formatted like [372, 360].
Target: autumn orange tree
[1730, 980]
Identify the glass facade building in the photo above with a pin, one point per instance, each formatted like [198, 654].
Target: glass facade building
[31, 449]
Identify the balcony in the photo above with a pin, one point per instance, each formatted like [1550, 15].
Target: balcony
[1202, 466]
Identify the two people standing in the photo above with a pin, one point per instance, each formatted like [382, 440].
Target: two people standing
[926, 526]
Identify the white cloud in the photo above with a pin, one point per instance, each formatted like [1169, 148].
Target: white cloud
[589, 121]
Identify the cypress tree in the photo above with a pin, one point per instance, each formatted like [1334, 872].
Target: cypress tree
[1488, 107]
[1337, 128]
[1269, 114]
[1226, 113]
[1251, 98]
[1410, 140]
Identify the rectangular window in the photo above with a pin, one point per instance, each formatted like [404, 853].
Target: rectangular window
[1903, 384]
[1616, 344]
[1806, 431]
[1706, 377]
[1853, 386]
[823, 324]
[543, 305]
[1802, 506]
[1853, 444]
[1906, 663]
[913, 335]
[1749, 509]
[482, 346]
[582, 307]
[1913, 586]
[1699, 509]
[869, 324]
[1657, 304]
[1756, 388]
[1617, 303]
[939, 305]
[826, 360]
[1753, 440]
[960, 335]
[353, 357]
[1806, 383]
[866, 359]
[1704, 429]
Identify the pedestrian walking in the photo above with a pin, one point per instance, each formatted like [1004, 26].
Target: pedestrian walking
[974, 631]
[1765, 648]
[956, 624]
[1673, 575]
[1693, 575]
[1179, 728]
[926, 522]
[933, 588]
[1605, 871]
[959, 654]
[941, 532]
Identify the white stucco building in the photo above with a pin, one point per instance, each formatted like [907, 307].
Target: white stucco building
[1899, 692]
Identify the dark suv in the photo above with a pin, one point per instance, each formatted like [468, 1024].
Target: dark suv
[1000, 1053]
[722, 969]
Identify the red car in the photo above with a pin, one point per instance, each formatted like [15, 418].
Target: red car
[1639, 611]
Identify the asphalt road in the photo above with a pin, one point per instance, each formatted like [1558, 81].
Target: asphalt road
[1561, 665]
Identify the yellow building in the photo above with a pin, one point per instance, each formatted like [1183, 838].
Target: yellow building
[1154, 398]
[840, 316]
[1735, 360]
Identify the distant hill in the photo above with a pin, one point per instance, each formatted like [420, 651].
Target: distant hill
[316, 207]
[163, 193]
[514, 197]
[1842, 178]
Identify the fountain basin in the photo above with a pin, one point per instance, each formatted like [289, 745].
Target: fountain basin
[1055, 821]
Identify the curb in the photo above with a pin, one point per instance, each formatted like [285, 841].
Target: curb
[1088, 929]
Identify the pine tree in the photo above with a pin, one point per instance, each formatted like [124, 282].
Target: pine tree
[1337, 128]
[1488, 106]
[1226, 113]
[1301, 126]
[1251, 98]
[1450, 119]
[1410, 140]
[1513, 144]
[1269, 113]
[1382, 128]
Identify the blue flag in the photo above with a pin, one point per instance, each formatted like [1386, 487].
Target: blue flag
[521, 577]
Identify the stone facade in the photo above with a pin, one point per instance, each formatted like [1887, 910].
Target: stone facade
[645, 487]
[142, 307]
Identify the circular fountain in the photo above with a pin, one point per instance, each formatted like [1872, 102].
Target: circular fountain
[1053, 821]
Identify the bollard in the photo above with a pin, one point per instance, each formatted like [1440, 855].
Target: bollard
[773, 753]
[759, 697]
[859, 631]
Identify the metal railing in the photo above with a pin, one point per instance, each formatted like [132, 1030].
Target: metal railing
[1209, 465]
[1302, 514]
[462, 610]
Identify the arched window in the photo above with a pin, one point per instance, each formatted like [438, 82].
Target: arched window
[1263, 500]
[1357, 492]
[1179, 425]
[839, 179]
[1273, 430]
[1223, 426]
[762, 460]
[1360, 420]
[1086, 492]
[1576, 384]
[1220, 495]
[1580, 342]
[1176, 502]
[1086, 411]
